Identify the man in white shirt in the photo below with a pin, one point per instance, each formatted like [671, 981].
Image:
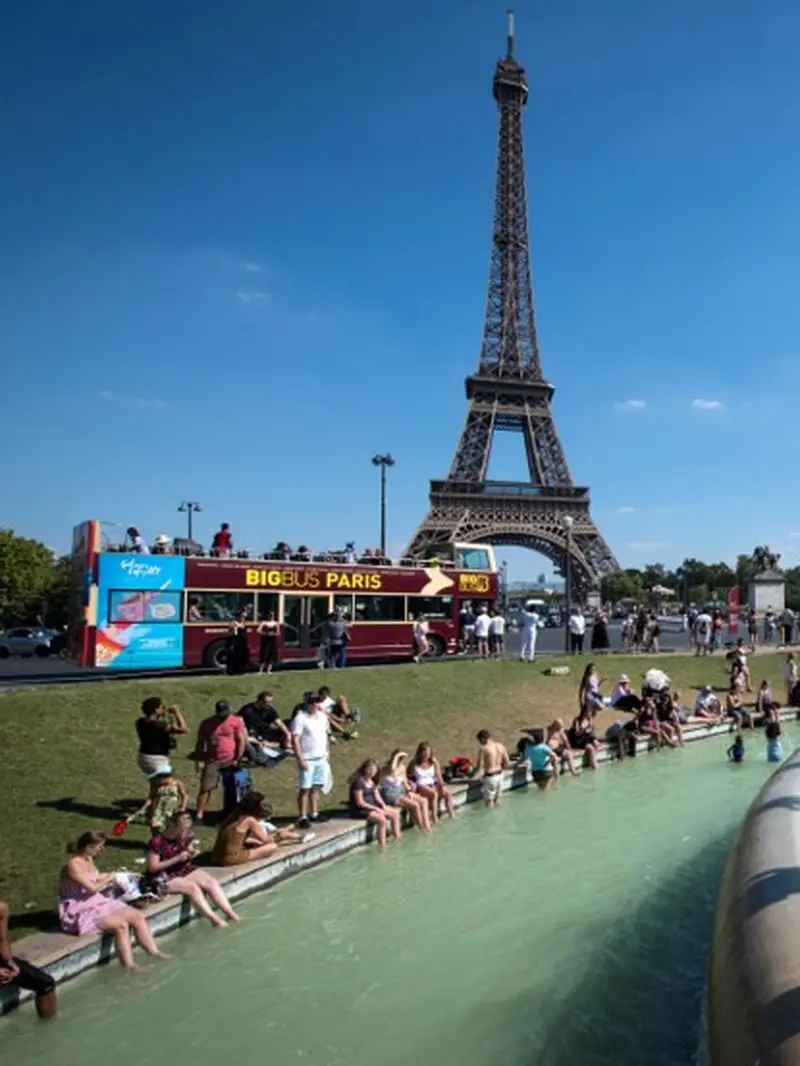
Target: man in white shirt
[482, 633]
[530, 630]
[497, 635]
[577, 629]
[702, 633]
[310, 732]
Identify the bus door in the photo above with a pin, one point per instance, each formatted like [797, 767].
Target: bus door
[303, 619]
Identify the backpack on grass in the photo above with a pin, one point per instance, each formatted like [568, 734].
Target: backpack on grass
[236, 783]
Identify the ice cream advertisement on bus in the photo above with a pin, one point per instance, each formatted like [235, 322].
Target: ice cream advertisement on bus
[139, 625]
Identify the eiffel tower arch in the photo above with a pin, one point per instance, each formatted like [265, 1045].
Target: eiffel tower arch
[510, 394]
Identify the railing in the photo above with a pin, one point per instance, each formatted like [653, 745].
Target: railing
[509, 488]
[325, 558]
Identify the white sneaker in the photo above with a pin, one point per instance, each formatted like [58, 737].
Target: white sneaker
[304, 839]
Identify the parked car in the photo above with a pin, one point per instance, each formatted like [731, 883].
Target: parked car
[27, 641]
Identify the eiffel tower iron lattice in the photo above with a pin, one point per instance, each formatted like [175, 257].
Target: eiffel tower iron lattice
[509, 393]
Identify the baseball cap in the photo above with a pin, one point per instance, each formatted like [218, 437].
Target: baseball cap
[222, 707]
[623, 678]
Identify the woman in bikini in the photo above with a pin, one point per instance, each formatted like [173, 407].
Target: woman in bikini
[582, 738]
[426, 775]
[396, 791]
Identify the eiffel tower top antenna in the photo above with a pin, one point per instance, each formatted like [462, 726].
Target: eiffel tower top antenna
[510, 14]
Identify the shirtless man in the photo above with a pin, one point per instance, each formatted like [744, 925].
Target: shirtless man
[492, 760]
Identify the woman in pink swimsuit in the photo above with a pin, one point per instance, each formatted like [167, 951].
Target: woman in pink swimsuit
[83, 908]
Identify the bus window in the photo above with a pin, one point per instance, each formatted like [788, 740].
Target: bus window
[433, 607]
[266, 602]
[380, 609]
[343, 605]
[215, 607]
[473, 559]
[125, 605]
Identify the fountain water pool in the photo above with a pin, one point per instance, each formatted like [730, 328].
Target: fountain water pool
[566, 927]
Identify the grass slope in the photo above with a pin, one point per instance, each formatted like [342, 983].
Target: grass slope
[69, 752]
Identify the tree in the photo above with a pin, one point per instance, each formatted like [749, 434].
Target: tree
[25, 574]
[59, 592]
[622, 585]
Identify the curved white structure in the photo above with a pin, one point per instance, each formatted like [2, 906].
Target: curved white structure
[754, 968]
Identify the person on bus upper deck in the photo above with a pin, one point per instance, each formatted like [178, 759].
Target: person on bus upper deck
[223, 540]
[137, 541]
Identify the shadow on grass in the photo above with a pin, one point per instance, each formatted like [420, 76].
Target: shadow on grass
[112, 812]
[639, 995]
[33, 919]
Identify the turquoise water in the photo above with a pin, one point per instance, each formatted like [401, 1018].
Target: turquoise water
[566, 927]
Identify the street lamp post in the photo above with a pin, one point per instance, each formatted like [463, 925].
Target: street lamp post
[567, 522]
[383, 461]
[189, 508]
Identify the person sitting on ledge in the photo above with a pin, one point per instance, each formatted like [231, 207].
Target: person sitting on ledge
[558, 740]
[19, 973]
[244, 837]
[582, 737]
[84, 908]
[735, 708]
[707, 706]
[542, 760]
[668, 717]
[169, 862]
[426, 774]
[397, 792]
[648, 725]
[366, 802]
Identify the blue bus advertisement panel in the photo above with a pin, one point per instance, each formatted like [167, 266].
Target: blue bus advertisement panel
[139, 611]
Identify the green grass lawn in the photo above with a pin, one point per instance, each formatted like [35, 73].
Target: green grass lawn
[69, 753]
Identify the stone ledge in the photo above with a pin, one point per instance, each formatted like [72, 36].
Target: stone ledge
[66, 956]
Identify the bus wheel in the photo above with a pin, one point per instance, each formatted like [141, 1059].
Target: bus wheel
[216, 655]
[435, 647]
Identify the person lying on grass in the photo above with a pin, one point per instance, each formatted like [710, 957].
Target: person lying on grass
[19, 973]
[169, 865]
[366, 802]
[338, 711]
[244, 835]
[426, 776]
[396, 791]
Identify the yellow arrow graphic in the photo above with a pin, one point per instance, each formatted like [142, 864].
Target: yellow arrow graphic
[437, 582]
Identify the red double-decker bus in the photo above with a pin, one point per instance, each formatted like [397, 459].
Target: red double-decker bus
[163, 610]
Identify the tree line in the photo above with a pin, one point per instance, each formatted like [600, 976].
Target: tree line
[35, 584]
[697, 582]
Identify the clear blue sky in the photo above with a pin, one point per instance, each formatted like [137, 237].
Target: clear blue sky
[244, 247]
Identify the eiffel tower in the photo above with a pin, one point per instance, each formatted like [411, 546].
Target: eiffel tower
[509, 393]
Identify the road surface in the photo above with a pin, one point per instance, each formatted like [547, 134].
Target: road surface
[16, 672]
